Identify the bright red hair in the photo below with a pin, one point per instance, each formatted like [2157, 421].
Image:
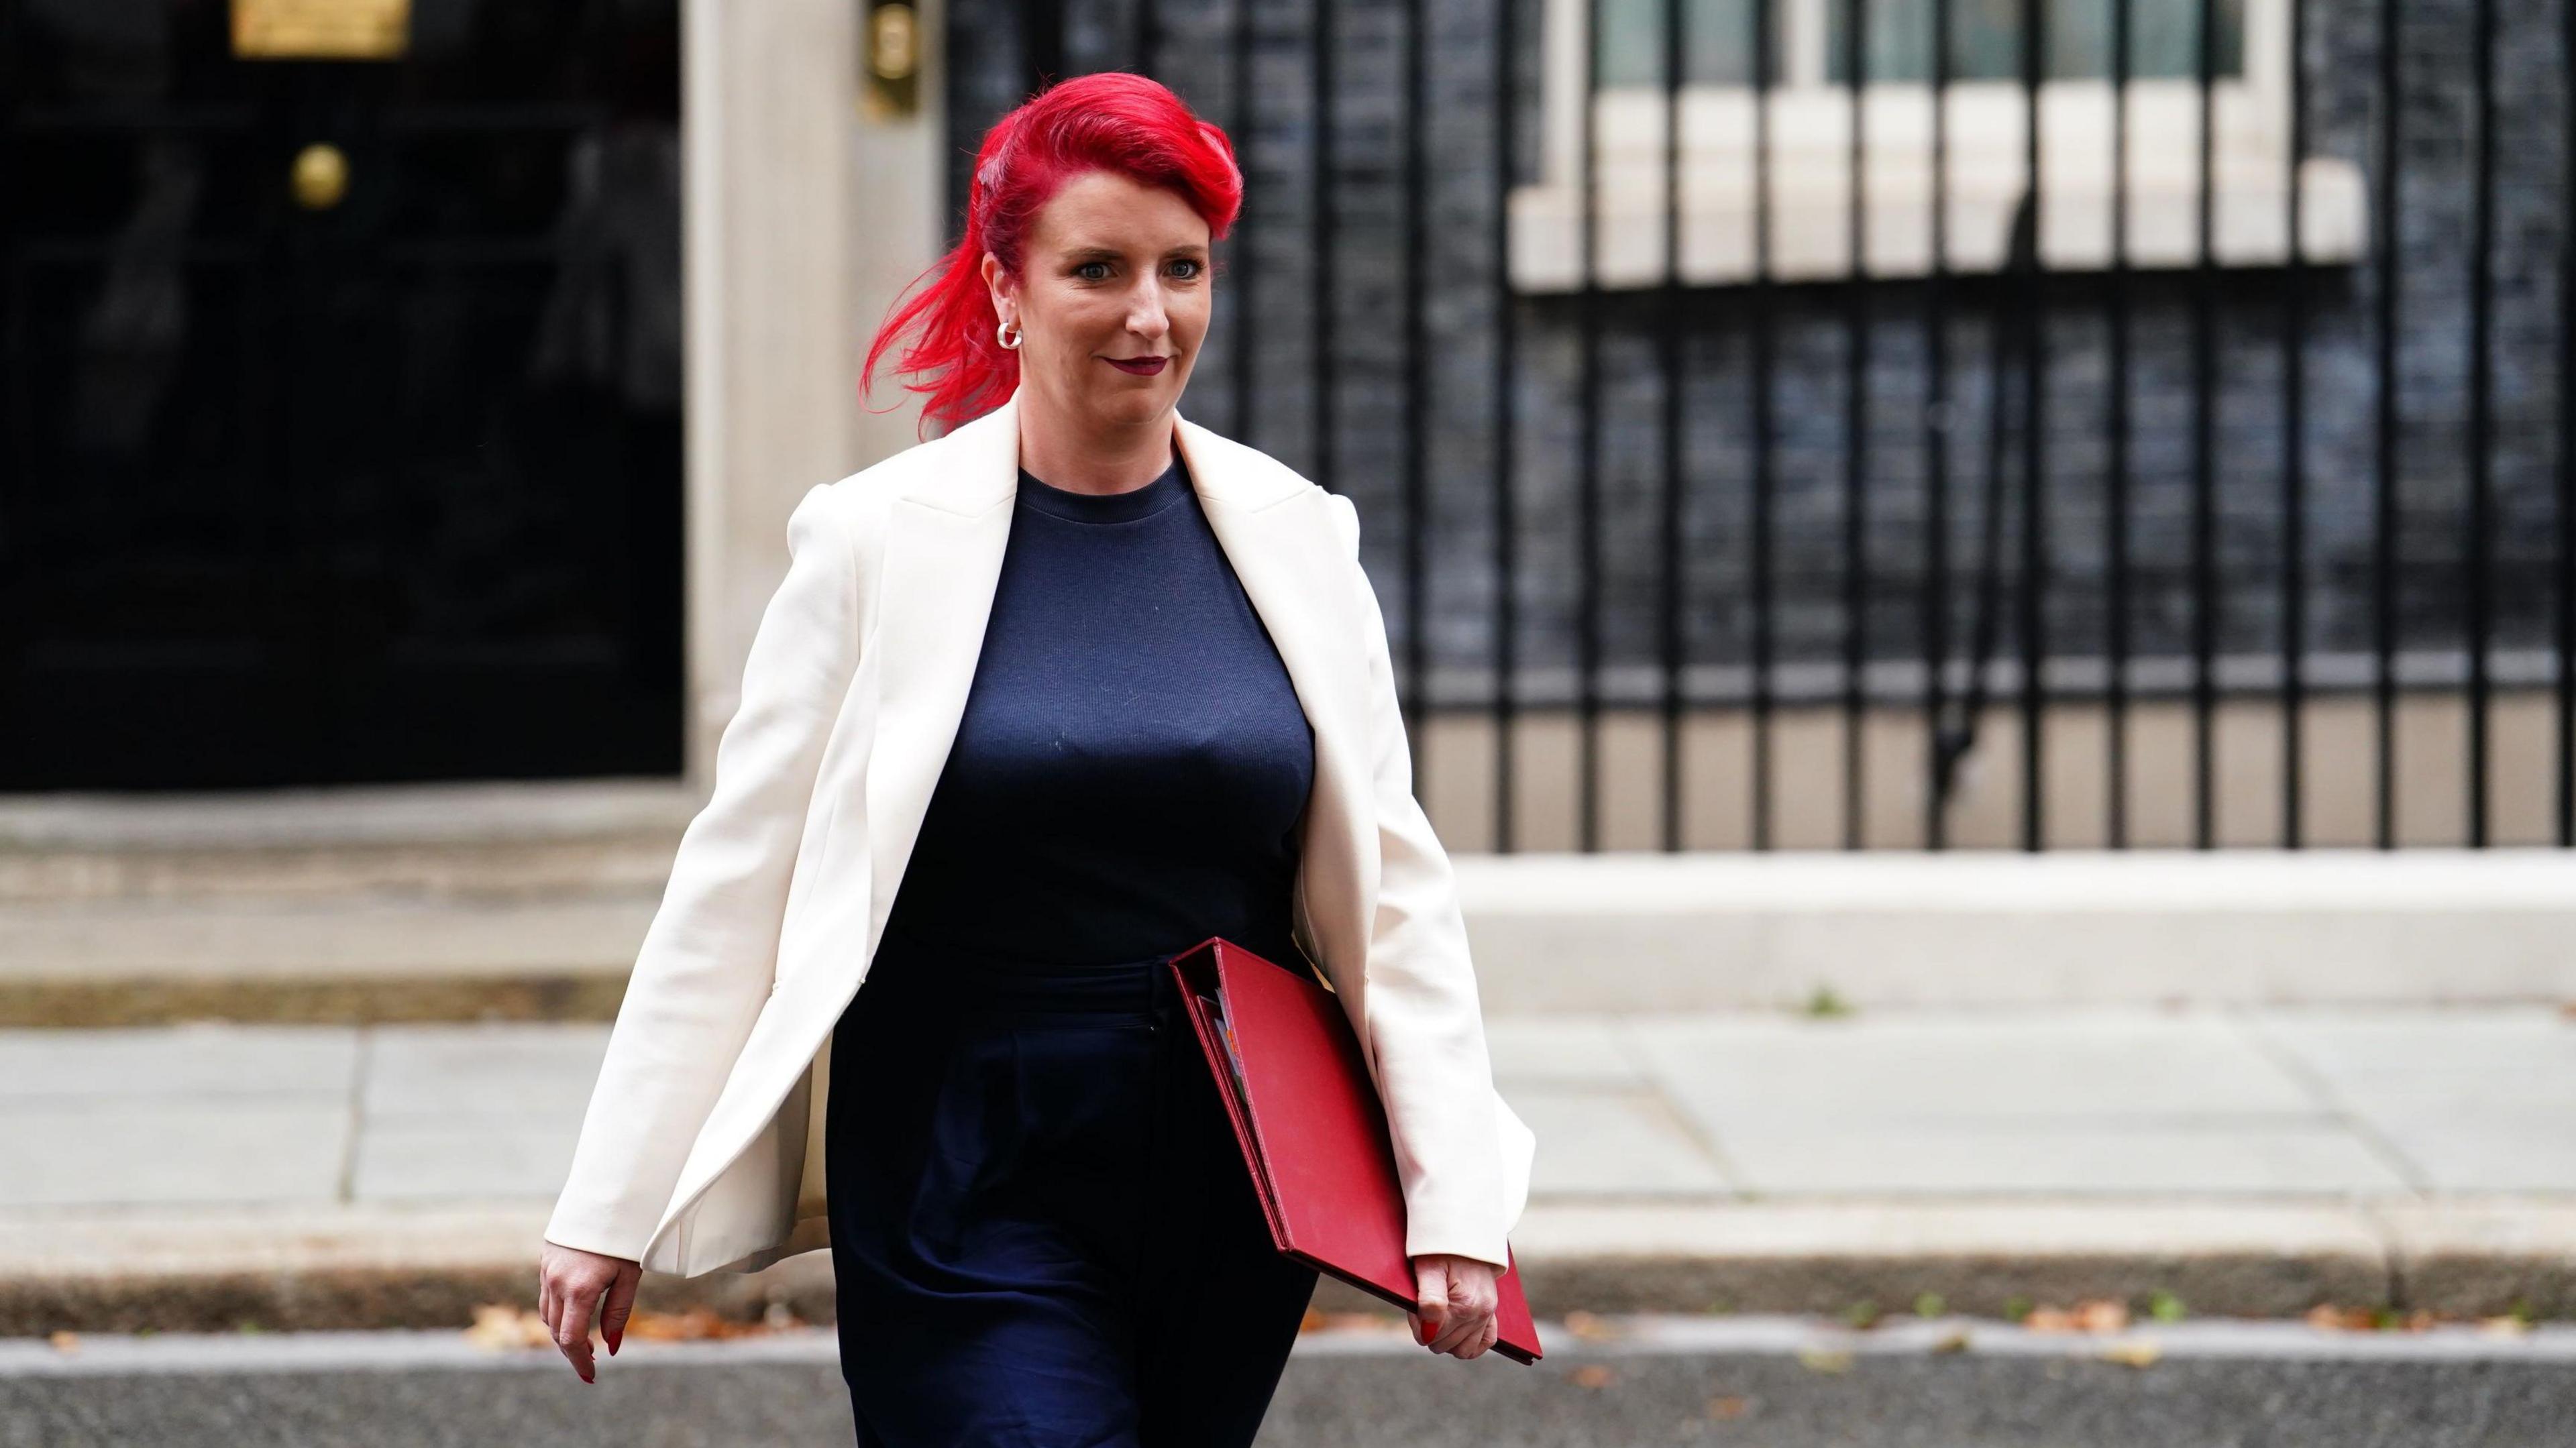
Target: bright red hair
[1112, 121]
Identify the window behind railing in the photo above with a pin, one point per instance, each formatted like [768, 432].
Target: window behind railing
[2134, 422]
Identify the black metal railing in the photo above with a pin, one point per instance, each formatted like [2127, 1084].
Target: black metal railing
[2244, 395]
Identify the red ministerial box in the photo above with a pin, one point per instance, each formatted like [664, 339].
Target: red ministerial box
[1312, 1129]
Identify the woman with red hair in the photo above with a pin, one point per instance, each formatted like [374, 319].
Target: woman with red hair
[1042, 749]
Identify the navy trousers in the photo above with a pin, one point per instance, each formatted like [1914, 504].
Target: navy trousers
[1043, 1232]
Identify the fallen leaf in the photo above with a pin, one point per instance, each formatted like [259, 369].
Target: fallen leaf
[2135, 1352]
[697, 1324]
[501, 1325]
[1589, 1326]
[1726, 1409]
[1591, 1375]
[2102, 1315]
[1313, 1321]
[2504, 1326]
[64, 1341]
[1952, 1342]
[2048, 1319]
[1824, 1360]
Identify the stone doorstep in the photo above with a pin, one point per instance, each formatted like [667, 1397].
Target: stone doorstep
[380, 928]
[396, 923]
[506, 838]
[309, 1001]
[323, 818]
[381, 1268]
[327, 960]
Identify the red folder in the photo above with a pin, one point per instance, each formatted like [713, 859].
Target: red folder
[1312, 1128]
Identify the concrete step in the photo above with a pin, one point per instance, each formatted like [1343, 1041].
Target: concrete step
[210, 1269]
[1782, 1383]
[529, 901]
[511, 901]
[319, 958]
[1644, 933]
[467, 841]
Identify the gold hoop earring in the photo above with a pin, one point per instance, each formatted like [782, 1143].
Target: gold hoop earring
[1008, 336]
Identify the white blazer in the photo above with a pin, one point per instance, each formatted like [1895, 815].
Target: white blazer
[702, 1145]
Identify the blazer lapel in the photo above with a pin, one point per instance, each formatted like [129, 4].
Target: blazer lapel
[943, 557]
[1278, 533]
[942, 561]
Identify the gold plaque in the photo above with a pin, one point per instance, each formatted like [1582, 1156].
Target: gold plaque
[321, 29]
[891, 67]
[890, 54]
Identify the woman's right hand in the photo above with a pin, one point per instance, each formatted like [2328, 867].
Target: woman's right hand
[571, 1284]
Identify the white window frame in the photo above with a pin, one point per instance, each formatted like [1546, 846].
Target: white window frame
[1809, 140]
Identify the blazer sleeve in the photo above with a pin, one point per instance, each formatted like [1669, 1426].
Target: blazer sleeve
[710, 955]
[1462, 1156]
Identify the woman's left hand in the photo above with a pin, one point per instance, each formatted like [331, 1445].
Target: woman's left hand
[1455, 1300]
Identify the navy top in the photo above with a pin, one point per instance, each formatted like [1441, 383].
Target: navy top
[1132, 765]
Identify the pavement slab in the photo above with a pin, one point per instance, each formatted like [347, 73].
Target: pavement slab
[119, 1151]
[2251, 1161]
[2056, 1156]
[2082, 1065]
[497, 1069]
[176, 1062]
[1616, 1142]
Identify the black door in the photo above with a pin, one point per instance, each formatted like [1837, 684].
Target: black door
[341, 430]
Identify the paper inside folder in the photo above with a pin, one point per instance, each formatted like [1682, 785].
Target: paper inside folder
[1234, 1068]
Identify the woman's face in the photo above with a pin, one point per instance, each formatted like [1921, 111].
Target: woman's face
[1112, 301]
